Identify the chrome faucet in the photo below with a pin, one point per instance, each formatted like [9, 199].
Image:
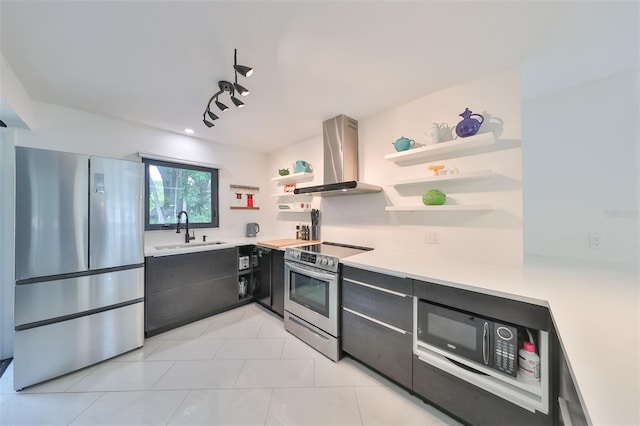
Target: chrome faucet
[187, 237]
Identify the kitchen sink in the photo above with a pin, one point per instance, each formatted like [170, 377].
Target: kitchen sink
[187, 245]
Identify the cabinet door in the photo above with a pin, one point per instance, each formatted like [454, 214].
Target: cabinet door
[277, 281]
[468, 402]
[187, 287]
[386, 350]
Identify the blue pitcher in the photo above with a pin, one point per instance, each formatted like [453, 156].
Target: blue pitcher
[468, 126]
[302, 166]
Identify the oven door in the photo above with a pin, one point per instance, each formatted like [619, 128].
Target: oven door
[312, 295]
[455, 331]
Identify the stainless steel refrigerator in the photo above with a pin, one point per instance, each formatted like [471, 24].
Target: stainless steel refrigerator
[79, 262]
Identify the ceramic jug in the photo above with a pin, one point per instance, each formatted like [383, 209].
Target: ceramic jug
[403, 144]
[468, 126]
[302, 166]
[437, 131]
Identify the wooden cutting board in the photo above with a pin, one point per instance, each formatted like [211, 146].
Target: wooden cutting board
[276, 244]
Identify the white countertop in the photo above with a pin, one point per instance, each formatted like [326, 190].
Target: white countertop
[595, 309]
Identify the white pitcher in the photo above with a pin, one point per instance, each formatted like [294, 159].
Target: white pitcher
[437, 130]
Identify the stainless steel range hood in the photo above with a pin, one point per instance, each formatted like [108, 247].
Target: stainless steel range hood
[340, 141]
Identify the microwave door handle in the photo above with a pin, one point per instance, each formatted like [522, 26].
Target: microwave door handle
[485, 343]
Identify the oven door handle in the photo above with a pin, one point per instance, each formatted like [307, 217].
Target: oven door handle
[305, 270]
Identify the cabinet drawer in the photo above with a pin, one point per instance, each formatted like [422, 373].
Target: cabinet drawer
[381, 348]
[389, 282]
[171, 272]
[468, 402]
[395, 309]
[179, 306]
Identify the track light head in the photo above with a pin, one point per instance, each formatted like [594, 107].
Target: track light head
[211, 115]
[237, 102]
[220, 105]
[206, 123]
[243, 91]
[243, 70]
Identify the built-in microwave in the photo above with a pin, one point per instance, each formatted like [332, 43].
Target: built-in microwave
[490, 343]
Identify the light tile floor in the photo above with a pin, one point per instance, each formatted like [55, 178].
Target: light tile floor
[236, 368]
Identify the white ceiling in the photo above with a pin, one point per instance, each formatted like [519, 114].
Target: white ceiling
[158, 62]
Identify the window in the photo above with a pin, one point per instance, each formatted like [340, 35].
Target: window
[172, 187]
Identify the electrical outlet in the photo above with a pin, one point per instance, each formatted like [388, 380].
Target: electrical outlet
[595, 240]
[432, 237]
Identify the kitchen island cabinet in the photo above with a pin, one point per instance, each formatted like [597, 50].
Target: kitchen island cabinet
[572, 291]
[183, 288]
[377, 315]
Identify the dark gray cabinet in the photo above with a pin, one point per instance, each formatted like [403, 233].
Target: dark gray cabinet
[277, 281]
[187, 287]
[377, 314]
[450, 385]
[468, 402]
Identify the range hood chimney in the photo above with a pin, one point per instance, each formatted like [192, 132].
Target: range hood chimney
[340, 141]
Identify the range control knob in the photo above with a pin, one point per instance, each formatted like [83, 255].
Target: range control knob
[330, 262]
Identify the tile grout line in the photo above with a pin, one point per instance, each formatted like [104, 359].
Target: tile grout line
[358, 405]
[86, 408]
[175, 411]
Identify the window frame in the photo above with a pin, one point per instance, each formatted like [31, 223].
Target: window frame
[215, 220]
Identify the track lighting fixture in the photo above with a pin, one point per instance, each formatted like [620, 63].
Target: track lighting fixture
[226, 86]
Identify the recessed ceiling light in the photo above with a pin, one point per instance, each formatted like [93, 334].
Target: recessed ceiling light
[188, 131]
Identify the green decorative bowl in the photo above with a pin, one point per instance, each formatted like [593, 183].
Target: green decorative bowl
[434, 197]
[283, 172]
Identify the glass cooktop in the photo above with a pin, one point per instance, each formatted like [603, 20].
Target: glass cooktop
[336, 250]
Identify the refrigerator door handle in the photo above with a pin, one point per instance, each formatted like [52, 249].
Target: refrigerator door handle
[98, 183]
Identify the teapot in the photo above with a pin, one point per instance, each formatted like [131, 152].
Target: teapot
[302, 166]
[403, 144]
[468, 126]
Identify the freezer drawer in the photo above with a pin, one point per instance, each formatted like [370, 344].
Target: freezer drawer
[52, 233]
[116, 222]
[42, 353]
[53, 299]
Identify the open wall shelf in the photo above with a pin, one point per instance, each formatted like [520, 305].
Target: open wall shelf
[443, 208]
[442, 149]
[294, 177]
[475, 175]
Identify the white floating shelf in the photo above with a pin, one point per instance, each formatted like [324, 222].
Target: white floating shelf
[442, 148]
[444, 208]
[294, 177]
[476, 175]
[290, 194]
[292, 210]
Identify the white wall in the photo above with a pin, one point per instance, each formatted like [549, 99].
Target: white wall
[7, 248]
[581, 170]
[16, 106]
[494, 237]
[64, 129]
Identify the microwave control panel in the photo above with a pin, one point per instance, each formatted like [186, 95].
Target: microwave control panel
[506, 348]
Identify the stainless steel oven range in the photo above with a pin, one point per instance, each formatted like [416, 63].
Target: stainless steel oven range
[311, 299]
